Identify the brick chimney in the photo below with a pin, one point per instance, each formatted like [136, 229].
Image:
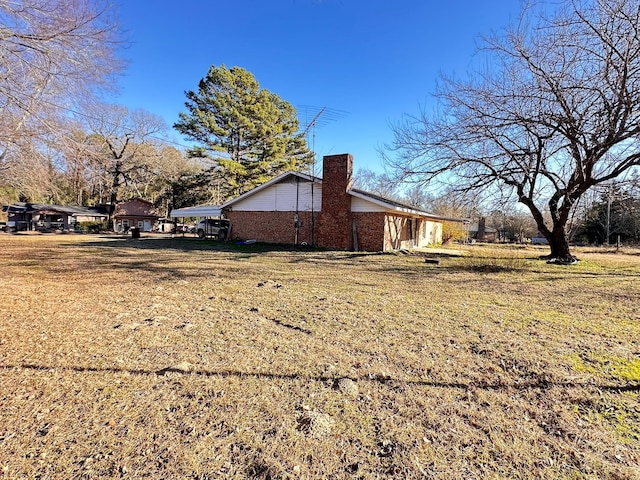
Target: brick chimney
[482, 226]
[334, 229]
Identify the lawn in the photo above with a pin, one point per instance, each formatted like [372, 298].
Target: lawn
[179, 358]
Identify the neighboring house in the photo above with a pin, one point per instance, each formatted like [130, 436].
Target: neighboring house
[135, 213]
[299, 209]
[34, 216]
[480, 232]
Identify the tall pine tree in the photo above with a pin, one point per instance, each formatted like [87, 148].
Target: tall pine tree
[249, 133]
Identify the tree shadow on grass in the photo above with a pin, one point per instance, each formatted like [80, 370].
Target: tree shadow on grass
[121, 253]
[189, 244]
[124, 254]
[426, 263]
[494, 267]
[542, 383]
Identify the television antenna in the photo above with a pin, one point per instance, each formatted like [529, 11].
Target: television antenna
[313, 118]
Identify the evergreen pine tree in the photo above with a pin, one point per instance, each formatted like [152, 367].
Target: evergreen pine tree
[249, 133]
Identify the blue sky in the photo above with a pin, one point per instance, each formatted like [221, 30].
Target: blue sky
[366, 61]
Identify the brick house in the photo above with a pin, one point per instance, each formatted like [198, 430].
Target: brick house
[135, 213]
[299, 209]
[48, 217]
[480, 232]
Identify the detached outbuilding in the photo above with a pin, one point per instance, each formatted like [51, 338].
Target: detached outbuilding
[299, 209]
[135, 213]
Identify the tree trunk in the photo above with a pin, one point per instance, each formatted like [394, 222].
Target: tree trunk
[115, 185]
[112, 210]
[559, 245]
[556, 237]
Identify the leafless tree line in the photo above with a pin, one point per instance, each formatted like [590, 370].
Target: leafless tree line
[58, 141]
[52, 53]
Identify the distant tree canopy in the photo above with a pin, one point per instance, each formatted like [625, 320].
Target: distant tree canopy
[52, 53]
[616, 214]
[58, 142]
[123, 150]
[249, 133]
[111, 155]
[553, 112]
[376, 183]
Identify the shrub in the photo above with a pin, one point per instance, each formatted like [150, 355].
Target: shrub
[90, 227]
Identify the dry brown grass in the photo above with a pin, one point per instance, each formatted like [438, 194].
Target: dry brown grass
[168, 358]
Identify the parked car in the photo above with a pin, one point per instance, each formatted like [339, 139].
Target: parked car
[9, 226]
[168, 226]
[164, 225]
[213, 227]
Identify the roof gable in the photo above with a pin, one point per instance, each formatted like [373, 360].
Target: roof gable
[135, 207]
[280, 178]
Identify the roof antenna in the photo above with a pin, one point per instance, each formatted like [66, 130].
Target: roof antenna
[316, 117]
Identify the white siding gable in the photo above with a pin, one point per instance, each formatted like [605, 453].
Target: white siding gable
[310, 197]
[286, 196]
[362, 205]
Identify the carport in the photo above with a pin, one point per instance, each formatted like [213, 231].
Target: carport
[199, 211]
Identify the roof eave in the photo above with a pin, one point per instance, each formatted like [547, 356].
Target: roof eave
[404, 210]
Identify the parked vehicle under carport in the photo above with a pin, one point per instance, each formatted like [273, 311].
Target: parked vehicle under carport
[211, 224]
[213, 227]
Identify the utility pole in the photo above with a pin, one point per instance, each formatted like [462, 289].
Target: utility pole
[609, 198]
[611, 195]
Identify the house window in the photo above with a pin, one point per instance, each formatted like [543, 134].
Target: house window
[140, 224]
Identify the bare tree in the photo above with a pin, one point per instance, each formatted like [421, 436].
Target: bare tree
[52, 52]
[377, 183]
[30, 173]
[77, 169]
[175, 180]
[555, 112]
[123, 148]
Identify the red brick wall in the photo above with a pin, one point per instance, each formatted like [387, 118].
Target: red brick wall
[271, 227]
[278, 227]
[369, 231]
[334, 226]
